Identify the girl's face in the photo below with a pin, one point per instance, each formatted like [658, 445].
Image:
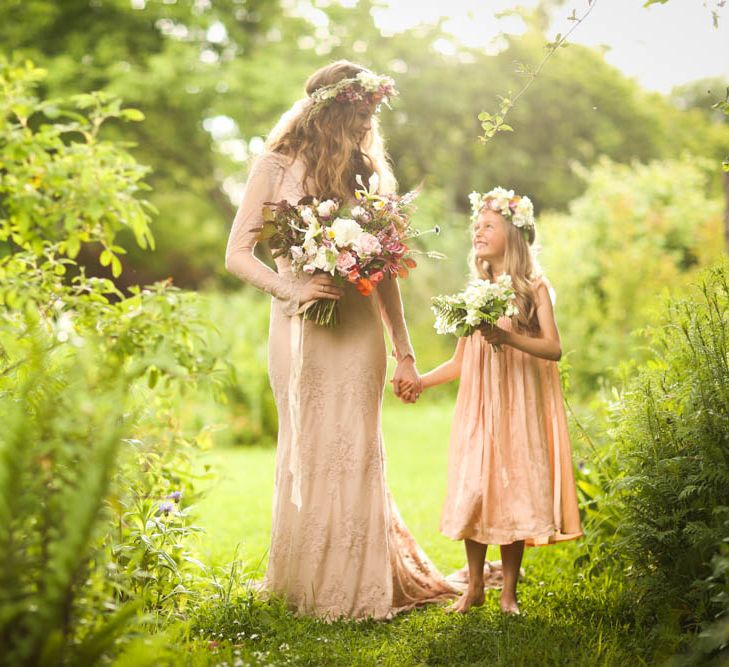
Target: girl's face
[489, 235]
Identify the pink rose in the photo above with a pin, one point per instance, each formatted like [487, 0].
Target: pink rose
[366, 244]
[377, 277]
[345, 262]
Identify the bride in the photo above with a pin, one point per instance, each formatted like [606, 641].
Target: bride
[338, 547]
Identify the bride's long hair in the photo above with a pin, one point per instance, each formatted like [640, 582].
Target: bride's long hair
[521, 263]
[326, 142]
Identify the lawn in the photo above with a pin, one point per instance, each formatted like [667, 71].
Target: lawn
[567, 619]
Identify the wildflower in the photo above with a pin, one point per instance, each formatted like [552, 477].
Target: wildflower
[166, 507]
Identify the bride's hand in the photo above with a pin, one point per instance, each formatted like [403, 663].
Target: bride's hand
[320, 286]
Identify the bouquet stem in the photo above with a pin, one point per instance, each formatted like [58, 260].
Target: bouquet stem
[325, 312]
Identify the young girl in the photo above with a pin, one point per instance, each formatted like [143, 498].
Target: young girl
[510, 477]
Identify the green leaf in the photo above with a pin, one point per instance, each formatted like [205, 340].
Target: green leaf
[134, 115]
[267, 231]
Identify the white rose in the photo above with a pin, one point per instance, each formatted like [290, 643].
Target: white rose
[358, 212]
[326, 208]
[345, 231]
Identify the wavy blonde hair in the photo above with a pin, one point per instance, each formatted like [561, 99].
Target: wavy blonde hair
[520, 262]
[333, 156]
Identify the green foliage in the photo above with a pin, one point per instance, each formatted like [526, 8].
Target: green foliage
[184, 64]
[244, 412]
[57, 454]
[635, 232]
[84, 370]
[673, 448]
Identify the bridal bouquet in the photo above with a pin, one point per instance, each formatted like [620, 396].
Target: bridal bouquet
[482, 302]
[360, 244]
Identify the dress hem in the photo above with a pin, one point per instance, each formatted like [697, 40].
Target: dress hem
[501, 537]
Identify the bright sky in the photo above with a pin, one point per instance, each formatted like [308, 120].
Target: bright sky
[661, 46]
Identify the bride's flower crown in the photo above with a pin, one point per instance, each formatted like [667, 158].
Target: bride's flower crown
[365, 87]
[517, 209]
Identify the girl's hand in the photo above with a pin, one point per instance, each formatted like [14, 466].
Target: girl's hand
[320, 286]
[494, 334]
[410, 390]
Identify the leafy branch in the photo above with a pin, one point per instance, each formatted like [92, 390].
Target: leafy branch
[718, 4]
[493, 123]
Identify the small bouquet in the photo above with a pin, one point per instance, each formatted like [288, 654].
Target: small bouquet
[359, 244]
[482, 302]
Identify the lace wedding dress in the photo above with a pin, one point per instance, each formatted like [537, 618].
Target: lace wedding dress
[338, 547]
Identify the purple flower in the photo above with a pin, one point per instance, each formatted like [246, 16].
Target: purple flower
[166, 508]
[175, 495]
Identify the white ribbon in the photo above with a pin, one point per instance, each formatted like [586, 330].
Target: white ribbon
[296, 361]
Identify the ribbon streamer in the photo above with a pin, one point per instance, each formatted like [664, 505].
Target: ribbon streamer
[297, 361]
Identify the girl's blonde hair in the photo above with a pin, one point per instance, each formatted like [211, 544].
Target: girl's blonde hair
[520, 262]
[333, 156]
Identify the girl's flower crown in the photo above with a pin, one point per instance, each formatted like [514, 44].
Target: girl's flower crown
[518, 210]
[365, 87]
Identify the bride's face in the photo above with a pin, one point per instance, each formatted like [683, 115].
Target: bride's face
[363, 121]
[489, 235]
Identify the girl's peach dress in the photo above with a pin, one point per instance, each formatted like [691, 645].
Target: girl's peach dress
[510, 474]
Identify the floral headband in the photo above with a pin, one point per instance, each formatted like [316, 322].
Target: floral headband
[518, 210]
[365, 87]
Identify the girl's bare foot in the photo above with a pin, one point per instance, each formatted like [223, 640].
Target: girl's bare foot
[509, 605]
[466, 601]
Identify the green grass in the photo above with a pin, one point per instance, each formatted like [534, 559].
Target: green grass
[567, 619]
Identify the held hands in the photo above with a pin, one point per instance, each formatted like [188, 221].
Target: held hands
[406, 381]
[320, 286]
[410, 391]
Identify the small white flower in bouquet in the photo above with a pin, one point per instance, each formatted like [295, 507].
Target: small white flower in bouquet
[481, 302]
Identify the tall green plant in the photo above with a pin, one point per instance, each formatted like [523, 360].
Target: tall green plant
[672, 432]
[84, 372]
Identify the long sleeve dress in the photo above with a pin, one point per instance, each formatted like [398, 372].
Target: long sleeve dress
[338, 547]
